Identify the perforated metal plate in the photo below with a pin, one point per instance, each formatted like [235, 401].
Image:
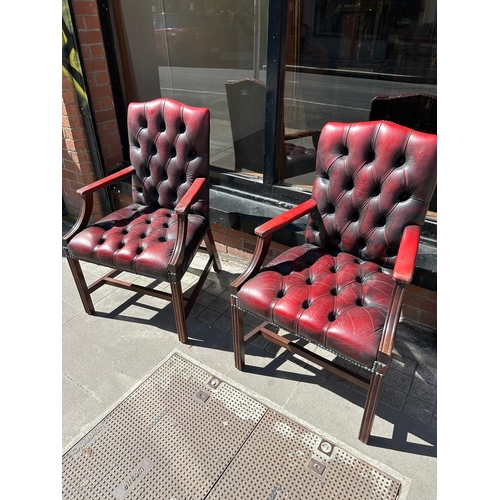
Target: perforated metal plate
[185, 435]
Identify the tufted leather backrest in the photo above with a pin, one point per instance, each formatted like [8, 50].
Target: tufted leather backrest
[372, 180]
[169, 149]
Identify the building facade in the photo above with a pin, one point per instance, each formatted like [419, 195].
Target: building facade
[271, 72]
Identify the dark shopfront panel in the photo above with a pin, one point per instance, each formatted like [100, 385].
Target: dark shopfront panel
[317, 61]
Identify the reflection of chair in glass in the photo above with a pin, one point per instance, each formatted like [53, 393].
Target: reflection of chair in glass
[417, 111]
[159, 234]
[343, 289]
[246, 101]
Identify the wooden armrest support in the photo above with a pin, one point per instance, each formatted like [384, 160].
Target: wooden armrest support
[265, 233]
[402, 275]
[301, 133]
[88, 201]
[182, 210]
[189, 196]
[285, 218]
[407, 255]
[106, 181]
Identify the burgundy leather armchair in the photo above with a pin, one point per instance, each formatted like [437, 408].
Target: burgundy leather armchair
[343, 288]
[158, 235]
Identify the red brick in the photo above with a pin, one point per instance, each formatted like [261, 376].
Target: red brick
[421, 303]
[101, 78]
[86, 53]
[99, 91]
[70, 176]
[97, 50]
[105, 115]
[92, 65]
[81, 157]
[89, 37]
[65, 121]
[226, 239]
[106, 103]
[91, 22]
[427, 319]
[416, 290]
[71, 110]
[112, 162]
[65, 155]
[409, 313]
[75, 133]
[84, 8]
[115, 150]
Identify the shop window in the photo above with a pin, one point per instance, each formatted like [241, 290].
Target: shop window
[341, 54]
[188, 51]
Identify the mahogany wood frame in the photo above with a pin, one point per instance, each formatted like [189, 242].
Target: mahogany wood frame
[176, 267]
[402, 275]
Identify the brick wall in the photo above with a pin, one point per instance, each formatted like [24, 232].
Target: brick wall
[420, 306]
[99, 85]
[77, 166]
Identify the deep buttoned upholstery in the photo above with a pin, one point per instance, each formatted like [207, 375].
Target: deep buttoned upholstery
[160, 232]
[168, 149]
[343, 288]
[331, 298]
[141, 237]
[137, 239]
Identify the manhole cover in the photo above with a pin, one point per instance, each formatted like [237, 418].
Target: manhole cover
[184, 434]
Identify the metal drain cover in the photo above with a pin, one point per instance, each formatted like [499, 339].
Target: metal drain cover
[180, 436]
[282, 459]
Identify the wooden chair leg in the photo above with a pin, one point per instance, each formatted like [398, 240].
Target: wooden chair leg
[372, 399]
[212, 250]
[238, 337]
[81, 285]
[179, 312]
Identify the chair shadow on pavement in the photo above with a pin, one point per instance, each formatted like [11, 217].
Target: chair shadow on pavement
[409, 435]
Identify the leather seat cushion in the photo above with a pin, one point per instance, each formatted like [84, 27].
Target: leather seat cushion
[137, 239]
[299, 160]
[331, 298]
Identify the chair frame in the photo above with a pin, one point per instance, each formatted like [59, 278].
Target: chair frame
[402, 275]
[175, 266]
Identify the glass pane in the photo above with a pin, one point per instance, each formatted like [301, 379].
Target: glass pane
[340, 55]
[188, 50]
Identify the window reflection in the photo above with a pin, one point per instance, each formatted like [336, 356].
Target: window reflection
[189, 50]
[341, 54]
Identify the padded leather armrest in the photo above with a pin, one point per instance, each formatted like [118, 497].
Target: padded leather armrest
[407, 255]
[285, 218]
[106, 181]
[189, 196]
